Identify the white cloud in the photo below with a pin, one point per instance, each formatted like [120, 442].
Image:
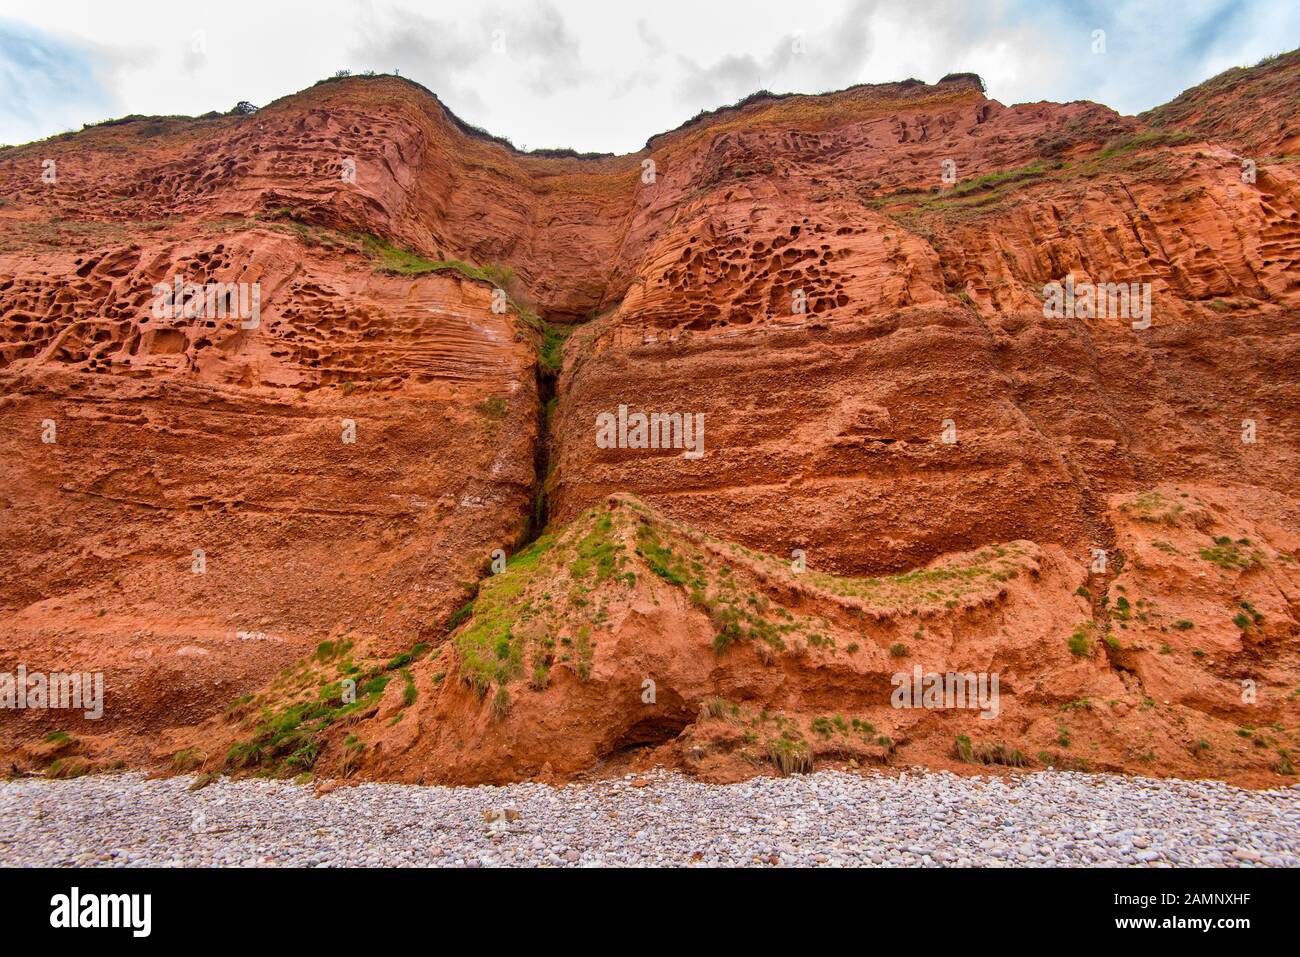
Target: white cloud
[601, 76]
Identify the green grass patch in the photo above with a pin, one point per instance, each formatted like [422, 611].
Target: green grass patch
[1080, 641]
[986, 754]
[489, 651]
[1232, 556]
[659, 557]
[550, 354]
[403, 262]
[597, 552]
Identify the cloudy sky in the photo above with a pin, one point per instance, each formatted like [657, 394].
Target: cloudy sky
[603, 75]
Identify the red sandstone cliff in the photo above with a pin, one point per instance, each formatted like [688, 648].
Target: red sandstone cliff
[919, 410]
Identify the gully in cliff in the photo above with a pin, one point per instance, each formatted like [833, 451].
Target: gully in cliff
[657, 430]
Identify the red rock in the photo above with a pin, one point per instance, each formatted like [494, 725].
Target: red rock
[827, 430]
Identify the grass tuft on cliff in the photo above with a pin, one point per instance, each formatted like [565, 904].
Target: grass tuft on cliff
[285, 729]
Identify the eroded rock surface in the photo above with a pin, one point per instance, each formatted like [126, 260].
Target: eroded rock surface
[848, 289]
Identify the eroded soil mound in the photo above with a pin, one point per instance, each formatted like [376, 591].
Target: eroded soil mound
[633, 638]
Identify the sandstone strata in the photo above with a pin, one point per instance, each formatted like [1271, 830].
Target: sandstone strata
[849, 289]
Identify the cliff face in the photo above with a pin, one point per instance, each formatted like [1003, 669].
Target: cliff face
[848, 289]
[343, 460]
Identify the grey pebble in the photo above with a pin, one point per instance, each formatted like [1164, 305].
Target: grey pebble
[920, 818]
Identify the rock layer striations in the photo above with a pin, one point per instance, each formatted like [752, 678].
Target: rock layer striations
[278, 535]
